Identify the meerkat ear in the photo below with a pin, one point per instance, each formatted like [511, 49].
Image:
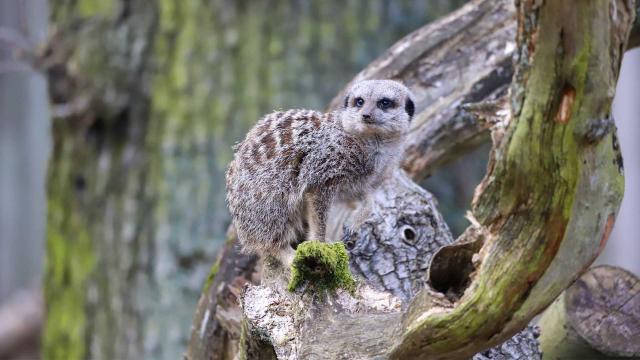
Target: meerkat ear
[409, 107]
[346, 101]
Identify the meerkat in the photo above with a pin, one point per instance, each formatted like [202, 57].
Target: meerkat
[293, 165]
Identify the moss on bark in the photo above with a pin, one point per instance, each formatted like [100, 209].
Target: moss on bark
[322, 266]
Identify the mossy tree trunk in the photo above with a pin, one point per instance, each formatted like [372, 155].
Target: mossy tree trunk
[147, 98]
[100, 228]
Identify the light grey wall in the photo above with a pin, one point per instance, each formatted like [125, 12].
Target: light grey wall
[24, 147]
[623, 248]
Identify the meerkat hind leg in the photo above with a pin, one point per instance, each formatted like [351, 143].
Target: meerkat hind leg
[317, 205]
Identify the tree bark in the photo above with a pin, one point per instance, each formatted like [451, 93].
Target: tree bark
[99, 231]
[598, 317]
[554, 183]
[217, 324]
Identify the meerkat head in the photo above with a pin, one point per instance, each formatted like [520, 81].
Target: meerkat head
[382, 108]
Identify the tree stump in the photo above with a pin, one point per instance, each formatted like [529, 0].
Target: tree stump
[598, 317]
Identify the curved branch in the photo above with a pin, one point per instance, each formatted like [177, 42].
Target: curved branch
[553, 185]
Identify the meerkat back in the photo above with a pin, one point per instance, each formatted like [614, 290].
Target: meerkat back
[263, 191]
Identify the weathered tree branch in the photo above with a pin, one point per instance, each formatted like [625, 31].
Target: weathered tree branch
[217, 322]
[598, 317]
[554, 182]
[462, 58]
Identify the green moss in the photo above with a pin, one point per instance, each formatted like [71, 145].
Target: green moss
[88, 8]
[70, 262]
[242, 346]
[212, 274]
[325, 266]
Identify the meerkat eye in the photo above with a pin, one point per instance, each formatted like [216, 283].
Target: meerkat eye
[385, 104]
[359, 102]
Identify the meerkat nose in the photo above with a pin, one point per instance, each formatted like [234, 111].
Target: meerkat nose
[366, 118]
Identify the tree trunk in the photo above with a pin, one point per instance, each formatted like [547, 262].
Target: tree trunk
[148, 98]
[100, 227]
[542, 214]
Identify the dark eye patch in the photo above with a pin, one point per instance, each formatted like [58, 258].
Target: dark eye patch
[386, 103]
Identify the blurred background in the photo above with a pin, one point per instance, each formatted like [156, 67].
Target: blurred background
[112, 186]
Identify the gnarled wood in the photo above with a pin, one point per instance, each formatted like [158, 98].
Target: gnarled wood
[218, 319]
[465, 57]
